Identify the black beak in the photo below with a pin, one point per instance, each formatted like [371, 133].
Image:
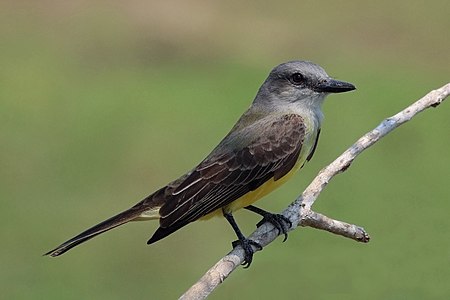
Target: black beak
[331, 85]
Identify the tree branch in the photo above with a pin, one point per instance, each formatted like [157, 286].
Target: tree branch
[313, 219]
[299, 212]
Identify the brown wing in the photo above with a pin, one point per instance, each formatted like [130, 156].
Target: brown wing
[227, 174]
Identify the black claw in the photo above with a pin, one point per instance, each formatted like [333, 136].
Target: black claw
[280, 222]
[242, 241]
[247, 244]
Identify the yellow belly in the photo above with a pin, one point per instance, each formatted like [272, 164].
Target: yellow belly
[257, 194]
[242, 202]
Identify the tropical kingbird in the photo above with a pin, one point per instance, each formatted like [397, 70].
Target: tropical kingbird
[270, 141]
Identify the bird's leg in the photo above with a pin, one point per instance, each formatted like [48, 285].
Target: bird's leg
[244, 242]
[280, 222]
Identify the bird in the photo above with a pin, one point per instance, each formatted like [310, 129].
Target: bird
[272, 140]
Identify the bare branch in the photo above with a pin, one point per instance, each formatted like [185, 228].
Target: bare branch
[300, 213]
[313, 219]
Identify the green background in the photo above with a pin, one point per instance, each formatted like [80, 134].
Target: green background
[102, 102]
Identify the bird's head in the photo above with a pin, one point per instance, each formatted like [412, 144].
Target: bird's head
[299, 82]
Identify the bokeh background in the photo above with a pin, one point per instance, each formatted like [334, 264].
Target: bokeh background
[102, 102]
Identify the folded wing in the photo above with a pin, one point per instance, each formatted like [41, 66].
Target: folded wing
[270, 151]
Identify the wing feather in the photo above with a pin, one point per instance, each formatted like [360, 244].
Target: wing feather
[226, 176]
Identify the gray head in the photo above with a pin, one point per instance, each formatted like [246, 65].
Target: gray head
[301, 82]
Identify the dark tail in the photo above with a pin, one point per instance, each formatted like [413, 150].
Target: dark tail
[120, 219]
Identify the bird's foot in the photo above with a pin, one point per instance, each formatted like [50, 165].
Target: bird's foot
[280, 222]
[247, 244]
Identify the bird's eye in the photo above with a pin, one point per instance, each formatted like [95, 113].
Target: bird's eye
[297, 78]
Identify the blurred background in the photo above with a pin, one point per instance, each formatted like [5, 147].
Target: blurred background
[102, 102]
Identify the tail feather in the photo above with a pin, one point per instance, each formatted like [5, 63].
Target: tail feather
[117, 220]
